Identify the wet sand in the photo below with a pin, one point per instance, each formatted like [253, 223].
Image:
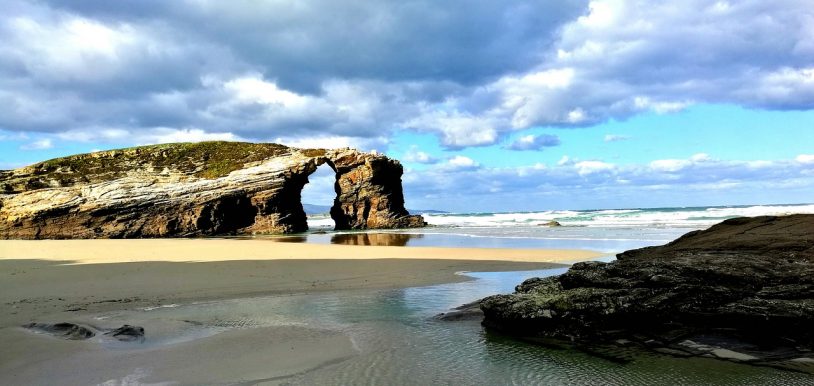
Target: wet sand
[72, 280]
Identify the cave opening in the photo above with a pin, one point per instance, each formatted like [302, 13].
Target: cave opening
[318, 196]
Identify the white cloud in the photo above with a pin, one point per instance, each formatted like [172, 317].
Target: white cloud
[418, 156]
[534, 142]
[616, 138]
[669, 165]
[457, 130]
[41, 144]
[334, 142]
[585, 168]
[565, 160]
[675, 165]
[612, 186]
[146, 136]
[645, 103]
[253, 89]
[73, 47]
[805, 159]
[169, 135]
[459, 162]
[700, 157]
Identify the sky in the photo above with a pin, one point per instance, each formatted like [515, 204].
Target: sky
[490, 105]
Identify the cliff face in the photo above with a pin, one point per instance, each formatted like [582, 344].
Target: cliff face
[200, 189]
[741, 290]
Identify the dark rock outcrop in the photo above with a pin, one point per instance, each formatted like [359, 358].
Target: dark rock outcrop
[127, 333]
[741, 290]
[468, 311]
[72, 331]
[69, 331]
[195, 189]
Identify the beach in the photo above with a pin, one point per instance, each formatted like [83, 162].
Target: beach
[53, 281]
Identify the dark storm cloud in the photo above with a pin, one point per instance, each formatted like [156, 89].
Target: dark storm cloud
[301, 44]
[469, 72]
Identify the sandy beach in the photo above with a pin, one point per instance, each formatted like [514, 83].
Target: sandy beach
[71, 280]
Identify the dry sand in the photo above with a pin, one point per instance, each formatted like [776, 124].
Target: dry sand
[71, 280]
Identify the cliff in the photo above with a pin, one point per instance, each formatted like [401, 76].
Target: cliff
[741, 290]
[195, 189]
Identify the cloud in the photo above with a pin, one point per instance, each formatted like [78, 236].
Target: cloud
[42, 144]
[714, 57]
[585, 168]
[359, 69]
[669, 165]
[457, 130]
[675, 165]
[166, 135]
[334, 142]
[418, 156]
[460, 162]
[565, 160]
[318, 40]
[805, 159]
[534, 142]
[616, 138]
[595, 183]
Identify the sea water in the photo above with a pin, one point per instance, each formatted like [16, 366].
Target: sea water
[398, 341]
[609, 231]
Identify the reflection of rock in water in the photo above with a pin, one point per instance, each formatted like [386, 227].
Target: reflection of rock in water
[380, 239]
[289, 239]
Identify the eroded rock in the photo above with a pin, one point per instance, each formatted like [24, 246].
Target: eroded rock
[128, 333]
[742, 290]
[72, 331]
[68, 331]
[200, 189]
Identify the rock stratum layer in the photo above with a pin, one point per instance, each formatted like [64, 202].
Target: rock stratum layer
[741, 290]
[196, 189]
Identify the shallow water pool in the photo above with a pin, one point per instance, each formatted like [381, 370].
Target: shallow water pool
[399, 342]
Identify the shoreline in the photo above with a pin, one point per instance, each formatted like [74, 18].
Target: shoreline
[66, 278]
[95, 251]
[53, 281]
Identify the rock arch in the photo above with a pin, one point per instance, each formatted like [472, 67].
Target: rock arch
[204, 190]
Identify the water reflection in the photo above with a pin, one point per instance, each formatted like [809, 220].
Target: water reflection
[377, 239]
[399, 342]
[289, 239]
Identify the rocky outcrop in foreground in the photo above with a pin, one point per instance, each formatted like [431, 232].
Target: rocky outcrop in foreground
[195, 189]
[72, 331]
[742, 290]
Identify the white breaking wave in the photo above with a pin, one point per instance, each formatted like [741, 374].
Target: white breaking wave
[698, 217]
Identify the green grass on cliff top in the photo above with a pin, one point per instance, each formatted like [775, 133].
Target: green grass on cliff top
[202, 159]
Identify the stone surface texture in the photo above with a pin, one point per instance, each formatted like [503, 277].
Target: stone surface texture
[741, 290]
[201, 189]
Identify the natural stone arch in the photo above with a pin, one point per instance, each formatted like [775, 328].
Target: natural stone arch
[183, 190]
[368, 190]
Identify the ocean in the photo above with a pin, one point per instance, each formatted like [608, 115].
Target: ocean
[605, 230]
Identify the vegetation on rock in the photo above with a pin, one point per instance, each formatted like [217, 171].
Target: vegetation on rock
[202, 159]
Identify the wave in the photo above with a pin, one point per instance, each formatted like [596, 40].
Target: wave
[692, 217]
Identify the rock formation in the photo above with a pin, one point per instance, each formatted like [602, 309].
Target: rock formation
[742, 290]
[73, 331]
[195, 189]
